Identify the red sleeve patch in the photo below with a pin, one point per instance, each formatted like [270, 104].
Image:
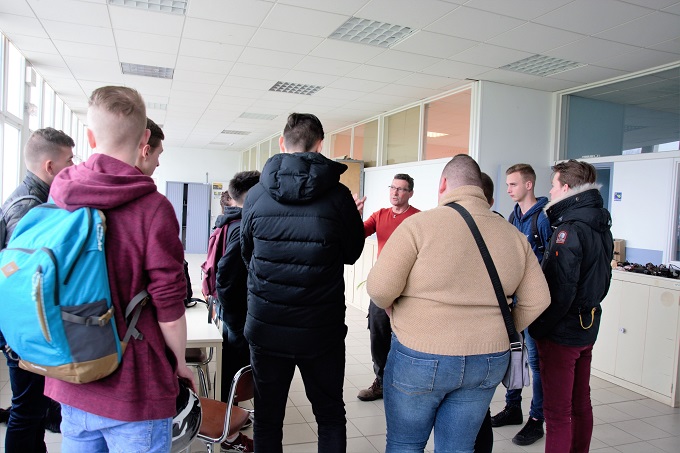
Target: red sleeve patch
[561, 237]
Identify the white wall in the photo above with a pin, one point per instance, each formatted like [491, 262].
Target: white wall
[191, 165]
[514, 127]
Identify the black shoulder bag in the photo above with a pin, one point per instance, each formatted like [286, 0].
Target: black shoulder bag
[517, 375]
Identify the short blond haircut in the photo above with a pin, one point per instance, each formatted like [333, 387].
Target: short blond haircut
[525, 170]
[117, 116]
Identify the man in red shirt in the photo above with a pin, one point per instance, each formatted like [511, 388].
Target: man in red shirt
[383, 222]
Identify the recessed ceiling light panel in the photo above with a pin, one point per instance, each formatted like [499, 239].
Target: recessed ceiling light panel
[295, 88]
[541, 65]
[156, 106]
[233, 132]
[257, 116]
[147, 71]
[371, 32]
[162, 6]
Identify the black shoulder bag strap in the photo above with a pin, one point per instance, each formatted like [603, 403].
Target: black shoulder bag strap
[515, 341]
[534, 232]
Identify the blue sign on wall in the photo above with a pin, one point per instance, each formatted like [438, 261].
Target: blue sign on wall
[617, 196]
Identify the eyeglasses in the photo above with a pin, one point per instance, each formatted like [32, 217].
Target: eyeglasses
[398, 189]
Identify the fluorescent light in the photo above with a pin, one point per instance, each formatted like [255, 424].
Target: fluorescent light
[257, 116]
[233, 132]
[435, 134]
[161, 6]
[295, 88]
[147, 71]
[541, 65]
[371, 32]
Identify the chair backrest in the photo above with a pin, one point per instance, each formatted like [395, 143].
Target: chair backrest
[242, 385]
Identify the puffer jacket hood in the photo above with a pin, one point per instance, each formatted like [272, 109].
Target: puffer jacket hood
[583, 203]
[103, 182]
[298, 178]
[231, 213]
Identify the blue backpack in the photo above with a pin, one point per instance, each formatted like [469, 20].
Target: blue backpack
[55, 299]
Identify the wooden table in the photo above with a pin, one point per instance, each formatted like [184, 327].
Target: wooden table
[200, 334]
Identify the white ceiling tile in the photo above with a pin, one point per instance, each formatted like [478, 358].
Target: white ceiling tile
[209, 78]
[535, 38]
[11, 24]
[406, 12]
[310, 78]
[75, 32]
[303, 20]
[269, 58]
[210, 50]
[148, 85]
[146, 41]
[258, 72]
[656, 4]
[325, 65]
[675, 9]
[465, 23]
[456, 70]
[527, 81]
[18, 7]
[284, 41]
[588, 74]
[31, 43]
[153, 22]
[425, 81]
[189, 87]
[248, 82]
[408, 91]
[521, 9]
[283, 97]
[209, 30]
[158, 116]
[331, 103]
[66, 87]
[385, 99]
[77, 49]
[590, 50]
[203, 65]
[348, 7]
[90, 85]
[45, 59]
[669, 46]
[164, 60]
[375, 73]
[589, 17]
[489, 55]
[83, 68]
[646, 31]
[639, 60]
[364, 86]
[240, 92]
[340, 93]
[346, 51]
[71, 11]
[396, 59]
[243, 12]
[433, 44]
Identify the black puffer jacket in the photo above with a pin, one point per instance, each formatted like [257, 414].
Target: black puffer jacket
[577, 266]
[300, 226]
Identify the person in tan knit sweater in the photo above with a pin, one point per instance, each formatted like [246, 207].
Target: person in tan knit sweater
[450, 348]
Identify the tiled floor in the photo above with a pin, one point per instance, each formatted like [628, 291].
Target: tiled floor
[624, 421]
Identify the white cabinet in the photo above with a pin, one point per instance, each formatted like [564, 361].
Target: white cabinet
[356, 275]
[638, 345]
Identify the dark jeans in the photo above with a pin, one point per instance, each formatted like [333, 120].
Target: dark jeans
[26, 425]
[381, 337]
[514, 397]
[235, 355]
[565, 372]
[323, 377]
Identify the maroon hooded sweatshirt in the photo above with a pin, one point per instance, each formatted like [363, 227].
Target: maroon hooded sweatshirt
[143, 250]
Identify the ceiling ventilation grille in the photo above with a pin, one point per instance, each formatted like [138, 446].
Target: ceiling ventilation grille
[295, 88]
[233, 132]
[156, 106]
[147, 71]
[371, 32]
[257, 116]
[541, 65]
[162, 6]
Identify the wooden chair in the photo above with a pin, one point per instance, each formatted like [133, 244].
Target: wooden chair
[221, 420]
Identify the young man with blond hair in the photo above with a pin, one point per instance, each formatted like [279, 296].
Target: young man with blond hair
[132, 409]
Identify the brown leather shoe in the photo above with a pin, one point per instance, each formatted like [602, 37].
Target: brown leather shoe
[374, 392]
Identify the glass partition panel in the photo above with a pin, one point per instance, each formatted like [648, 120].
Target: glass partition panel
[401, 136]
[639, 115]
[58, 113]
[447, 126]
[366, 143]
[35, 99]
[10, 160]
[341, 144]
[48, 107]
[16, 77]
[274, 146]
[252, 165]
[264, 153]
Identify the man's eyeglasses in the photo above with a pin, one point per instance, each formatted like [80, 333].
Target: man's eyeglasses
[398, 189]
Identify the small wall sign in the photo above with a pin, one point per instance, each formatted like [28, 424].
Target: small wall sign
[618, 196]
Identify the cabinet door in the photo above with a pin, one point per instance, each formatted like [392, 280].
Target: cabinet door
[661, 344]
[604, 351]
[632, 325]
[175, 193]
[362, 268]
[198, 218]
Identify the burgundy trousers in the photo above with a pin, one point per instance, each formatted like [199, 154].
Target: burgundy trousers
[565, 374]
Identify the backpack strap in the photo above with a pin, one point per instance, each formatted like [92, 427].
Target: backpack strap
[511, 219]
[136, 305]
[534, 231]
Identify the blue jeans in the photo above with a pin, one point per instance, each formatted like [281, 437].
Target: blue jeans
[26, 424]
[450, 393]
[514, 397]
[83, 432]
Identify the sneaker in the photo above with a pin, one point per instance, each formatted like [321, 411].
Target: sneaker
[249, 421]
[242, 444]
[531, 432]
[374, 392]
[511, 415]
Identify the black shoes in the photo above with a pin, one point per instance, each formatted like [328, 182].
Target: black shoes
[511, 415]
[531, 432]
[374, 392]
[4, 415]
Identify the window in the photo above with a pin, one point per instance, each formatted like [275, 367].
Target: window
[274, 146]
[245, 160]
[10, 159]
[48, 107]
[58, 113]
[341, 144]
[15, 82]
[447, 126]
[264, 153]
[35, 101]
[252, 165]
[366, 143]
[402, 137]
